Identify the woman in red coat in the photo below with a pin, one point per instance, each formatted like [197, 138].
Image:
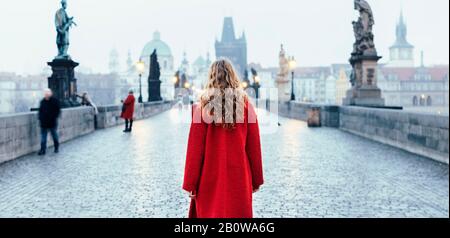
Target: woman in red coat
[223, 164]
[128, 111]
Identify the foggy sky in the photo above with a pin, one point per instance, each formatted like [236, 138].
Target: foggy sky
[315, 32]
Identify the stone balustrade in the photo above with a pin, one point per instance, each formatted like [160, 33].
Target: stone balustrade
[423, 134]
[20, 135]
[109, 116]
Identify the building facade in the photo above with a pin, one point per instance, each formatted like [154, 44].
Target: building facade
[421, 88]
[21, 93]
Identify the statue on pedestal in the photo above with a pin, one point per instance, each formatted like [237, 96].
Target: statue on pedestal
[154, 82]
[364, 61]
[62, 81]
[364, 38]
[282, 82]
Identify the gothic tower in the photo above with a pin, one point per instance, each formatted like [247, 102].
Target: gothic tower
[232, 48]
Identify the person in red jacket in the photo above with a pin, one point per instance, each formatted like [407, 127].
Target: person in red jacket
[128, 111]
[223, 162]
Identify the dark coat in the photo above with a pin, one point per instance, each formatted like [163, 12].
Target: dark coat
[49, 111]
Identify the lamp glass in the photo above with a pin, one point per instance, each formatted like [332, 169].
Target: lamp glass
[140, 66]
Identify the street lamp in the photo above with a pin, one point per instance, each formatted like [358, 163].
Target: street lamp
[292, 66]
[140, 67]
[256, 84]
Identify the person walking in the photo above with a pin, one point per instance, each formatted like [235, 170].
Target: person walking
[223, 161]
[128, 111]
[49, 111]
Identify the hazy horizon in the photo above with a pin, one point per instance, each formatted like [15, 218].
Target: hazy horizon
[317, 33]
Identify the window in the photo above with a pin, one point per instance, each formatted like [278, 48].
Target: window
[422, 101]
[415, 101]
[429, 101]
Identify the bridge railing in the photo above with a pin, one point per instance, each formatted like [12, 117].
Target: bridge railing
[19, 133]
[423, 134]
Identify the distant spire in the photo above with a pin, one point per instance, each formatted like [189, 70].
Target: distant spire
[401, 32]
[114, 61]
[228, 33]
[129, 60]
[422, 63]
[208, 59]
[244, 37]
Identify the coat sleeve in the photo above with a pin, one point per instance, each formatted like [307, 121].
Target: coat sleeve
[195, 152]
[40, 112]
[253, 148]
[129, 101]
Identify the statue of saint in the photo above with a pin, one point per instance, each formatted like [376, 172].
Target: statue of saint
[364, 38]
[284, 66]
[63, 23]
[366, 15]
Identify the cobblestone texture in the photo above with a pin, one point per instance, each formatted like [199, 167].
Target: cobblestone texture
[319, 172]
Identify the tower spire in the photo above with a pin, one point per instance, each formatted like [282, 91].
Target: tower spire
[228, 33]
[422, 63]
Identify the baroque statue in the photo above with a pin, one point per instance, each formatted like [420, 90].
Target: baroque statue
[364, 61]
[284, 65]
[63, 24]
[364, 38]
[154, 82]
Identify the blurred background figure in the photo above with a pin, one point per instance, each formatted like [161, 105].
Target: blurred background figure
[49, 111]
[87, 101]
[128, 111]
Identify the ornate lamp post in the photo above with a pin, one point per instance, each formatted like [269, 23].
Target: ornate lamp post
[257, 81]
[256, 84]
[292, 66]
[140, 67]
[176, 84]
[187, 85]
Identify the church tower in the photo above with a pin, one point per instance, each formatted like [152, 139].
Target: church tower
[232, 48]
[402, 52]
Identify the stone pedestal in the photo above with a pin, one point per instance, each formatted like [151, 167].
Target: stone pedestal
[63, 82]
[364, 91]
[284, 90]
[154, 91]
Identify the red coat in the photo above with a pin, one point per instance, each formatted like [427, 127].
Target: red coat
[223, 167]
[128, 108]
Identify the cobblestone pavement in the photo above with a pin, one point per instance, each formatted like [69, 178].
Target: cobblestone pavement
[319, 172]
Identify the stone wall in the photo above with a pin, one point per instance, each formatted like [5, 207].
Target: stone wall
[329, 114]
[109, 116]
[422, 134]
[20, 135]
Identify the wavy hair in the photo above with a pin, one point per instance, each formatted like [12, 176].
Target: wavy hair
[223, 100]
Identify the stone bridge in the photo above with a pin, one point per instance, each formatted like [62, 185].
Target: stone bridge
[309, 172]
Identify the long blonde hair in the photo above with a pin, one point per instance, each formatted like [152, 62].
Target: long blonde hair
[223, 83]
